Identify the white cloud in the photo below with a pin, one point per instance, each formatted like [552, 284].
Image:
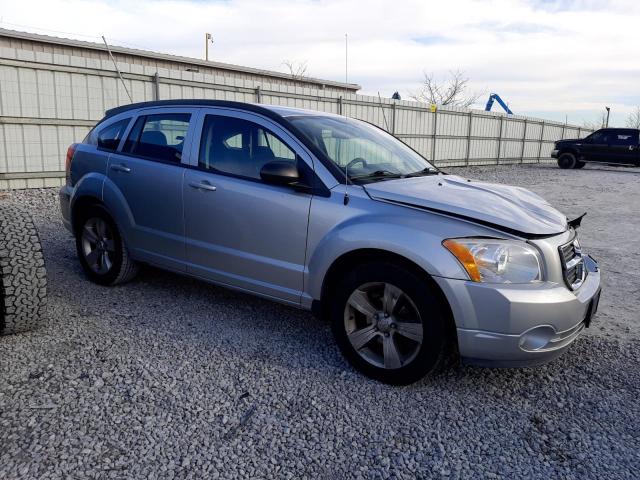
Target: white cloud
[549, 57]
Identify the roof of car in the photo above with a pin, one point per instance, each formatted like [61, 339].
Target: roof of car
[258, 108]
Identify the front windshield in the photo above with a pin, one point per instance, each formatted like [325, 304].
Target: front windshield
[364, 151]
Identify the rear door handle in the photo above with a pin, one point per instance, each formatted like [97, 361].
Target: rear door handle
[203, 186]
[120, 168]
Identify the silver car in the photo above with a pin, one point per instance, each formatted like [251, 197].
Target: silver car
[334, 215]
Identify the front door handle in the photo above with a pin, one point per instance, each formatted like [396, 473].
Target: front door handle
[203, 186]
[120, 168]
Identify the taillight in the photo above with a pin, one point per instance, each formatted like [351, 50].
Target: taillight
[67, 164]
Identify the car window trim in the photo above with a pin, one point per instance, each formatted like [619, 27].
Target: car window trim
[186, 149]
[265, 129]
[318, 187]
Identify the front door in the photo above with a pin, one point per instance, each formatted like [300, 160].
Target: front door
[148, 172]
[239, 230]
[596, 146]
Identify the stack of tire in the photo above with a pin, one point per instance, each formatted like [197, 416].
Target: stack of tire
[23, 277]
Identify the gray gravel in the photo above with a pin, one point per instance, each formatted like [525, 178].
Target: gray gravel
[167, 377]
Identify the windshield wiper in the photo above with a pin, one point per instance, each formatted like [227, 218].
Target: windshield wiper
[378, 175]
[423, 172]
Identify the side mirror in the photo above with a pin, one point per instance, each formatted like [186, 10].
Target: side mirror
[280, 173]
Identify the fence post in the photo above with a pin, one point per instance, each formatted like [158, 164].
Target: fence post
[540, 142]
[258, 94]
[340, 105]
[499, 141]
[393, 117]
[579, 132]
[524, 141]
[466, 160]
[433, 141]
[156, 86]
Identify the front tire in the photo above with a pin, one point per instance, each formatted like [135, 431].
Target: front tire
[579, 164]
[101, 249]
[566, 161]
[389, 324]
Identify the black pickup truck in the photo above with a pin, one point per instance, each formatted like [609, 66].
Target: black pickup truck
[616, 146]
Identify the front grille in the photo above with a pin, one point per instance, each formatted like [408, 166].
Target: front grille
[572, 264]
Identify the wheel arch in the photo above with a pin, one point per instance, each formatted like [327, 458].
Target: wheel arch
[81, 205]
[572, 150]
[349, 260]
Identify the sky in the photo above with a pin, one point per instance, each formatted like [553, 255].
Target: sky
[554, 59]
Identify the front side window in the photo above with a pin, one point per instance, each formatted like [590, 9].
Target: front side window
[599, 137]
[159, 137]
[239, 147]
[365, 152]
[109, 137]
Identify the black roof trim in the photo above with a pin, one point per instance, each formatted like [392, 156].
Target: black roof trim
[250, 107]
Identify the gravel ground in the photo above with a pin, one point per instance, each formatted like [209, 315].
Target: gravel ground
[167, 377]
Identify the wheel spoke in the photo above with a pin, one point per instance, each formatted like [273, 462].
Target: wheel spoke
[409, 330]
[390, 298]
[101, 228]
[89, 234]
[390, 351]
[360, 301]
[92, 257]
[359, 338]
[110, 245]
[106, 261]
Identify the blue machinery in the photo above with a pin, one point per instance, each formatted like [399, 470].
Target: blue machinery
[495, 97]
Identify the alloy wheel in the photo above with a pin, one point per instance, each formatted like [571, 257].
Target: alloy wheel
[98, 246]
[383, 325]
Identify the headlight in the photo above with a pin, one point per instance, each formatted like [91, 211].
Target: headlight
[496, 261]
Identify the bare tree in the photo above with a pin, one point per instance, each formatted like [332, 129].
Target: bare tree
[633, 120]
[450, 92]
[297, 70]
[598, 123]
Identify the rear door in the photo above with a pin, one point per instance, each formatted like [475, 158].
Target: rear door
[623, 146]
[148, 170]
[239, 230]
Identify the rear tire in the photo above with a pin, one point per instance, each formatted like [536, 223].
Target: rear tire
[389, 324]
[101, 249]
[566, 161]
[23, 277]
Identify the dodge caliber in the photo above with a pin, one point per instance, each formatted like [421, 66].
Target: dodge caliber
[410, 265]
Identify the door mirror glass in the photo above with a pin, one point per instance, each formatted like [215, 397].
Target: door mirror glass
[280, 172]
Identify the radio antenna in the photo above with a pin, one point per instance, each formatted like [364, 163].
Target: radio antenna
[346, 182]
[383, 115]
[117, 69]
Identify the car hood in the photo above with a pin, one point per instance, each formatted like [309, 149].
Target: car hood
[512, 209]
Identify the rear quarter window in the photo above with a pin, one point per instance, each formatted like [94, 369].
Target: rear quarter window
[108, 137]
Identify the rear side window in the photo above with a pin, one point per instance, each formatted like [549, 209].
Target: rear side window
[624, 138]
[239, 147]
[159, 137]
[109, 137]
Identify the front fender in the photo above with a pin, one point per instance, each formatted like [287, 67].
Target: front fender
[413, 236]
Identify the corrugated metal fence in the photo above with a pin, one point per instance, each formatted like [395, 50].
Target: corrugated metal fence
[48, 101]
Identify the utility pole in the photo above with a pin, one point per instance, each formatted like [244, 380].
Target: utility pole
[207, 38]
[608, 111]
